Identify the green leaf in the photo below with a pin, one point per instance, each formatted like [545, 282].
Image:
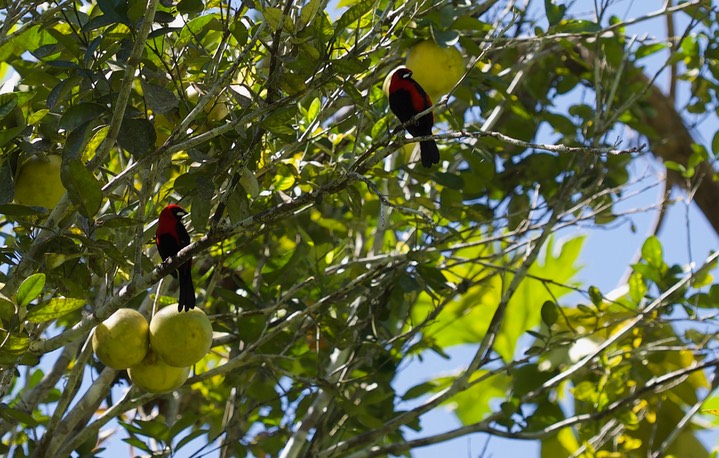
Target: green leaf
[75, 143]
[198, 27]
[419, 390]
[585, 391]
[13, 347]
[97, 22]
[7, 308]
[281, 121]
[549, 313]
[249, 182]
[380, 127]
[433, 276]
[445, 37]
[164, 17]
[21, 210]
[715, 143]
[475, 403]
[349, 65]
[277, 20]
[115, 9]
[595, 295]
[689, 46]
[527, 377]
[37, 116]
[450, 180]
[153, 428]
[671, 165]
[91, 146]
[450, 204]
[7, 187]
[79, 114]
[699, 155]
[322, 27]
[82, 187]
[200, 212]
[54, 308]
[30, 289]
[182, 423]
[6, 135]
[637, 287]
[563, 443]
[650, 273]
[137, 136]
[192, 435]
[115, 221]
[190, 6]
[293, 266]
[8, 102]
[309, 11]
[470, 23]
[135, 442]
[652, 252]
[159, 98]
[352, 15]
[313, 110]
[649, 49]
[14, 416]
[61, 91]
[554, 13]
[239, 31]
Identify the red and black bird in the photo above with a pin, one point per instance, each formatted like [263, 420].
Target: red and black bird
[170, 237]
[406, 100]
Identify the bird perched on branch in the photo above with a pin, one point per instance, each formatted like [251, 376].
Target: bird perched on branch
[406, 100]
[170, 237]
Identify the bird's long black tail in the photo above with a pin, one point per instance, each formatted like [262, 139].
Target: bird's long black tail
[429, 152]
[187, 289]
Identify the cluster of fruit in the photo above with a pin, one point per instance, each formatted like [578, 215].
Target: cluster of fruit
[157, 356]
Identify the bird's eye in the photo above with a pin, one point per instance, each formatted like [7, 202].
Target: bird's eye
[407, 75]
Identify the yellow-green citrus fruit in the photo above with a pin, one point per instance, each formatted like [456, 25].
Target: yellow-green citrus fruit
[180, 339]
[122, 340]
[154, 376]
[435, 68]
[38, 182]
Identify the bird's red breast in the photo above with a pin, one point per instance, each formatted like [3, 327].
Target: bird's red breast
[402, 81]
[168, 221]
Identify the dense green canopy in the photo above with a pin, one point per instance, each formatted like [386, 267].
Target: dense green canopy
[325, 255]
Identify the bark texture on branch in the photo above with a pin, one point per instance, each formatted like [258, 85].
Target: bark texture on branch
[674, 143]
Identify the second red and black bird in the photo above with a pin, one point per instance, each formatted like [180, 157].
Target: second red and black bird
[406, 100]
[171, 236]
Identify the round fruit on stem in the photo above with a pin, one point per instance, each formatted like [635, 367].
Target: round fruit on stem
[435, 68]
[180, 339]
[122, 340]
[154, 376]
[38, 182]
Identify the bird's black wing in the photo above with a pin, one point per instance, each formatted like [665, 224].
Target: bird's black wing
[167, 246]
[182, 233]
